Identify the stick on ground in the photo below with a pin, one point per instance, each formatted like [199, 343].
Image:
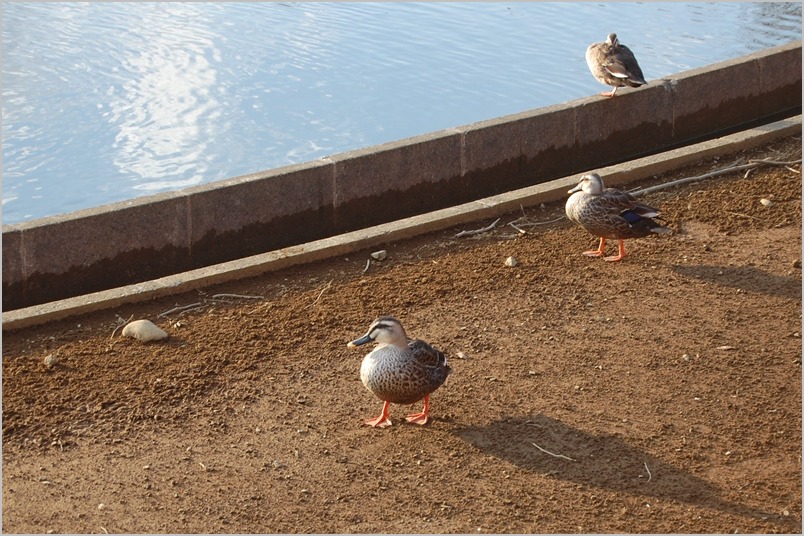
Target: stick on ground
[240, 296]
[320, 293]
[751, 165]
[551, 454]
[478, 231]
[177, 309]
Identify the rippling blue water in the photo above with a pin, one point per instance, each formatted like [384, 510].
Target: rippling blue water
[105, 102]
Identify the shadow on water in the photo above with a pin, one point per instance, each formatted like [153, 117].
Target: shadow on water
[601, 461]
[749, 278]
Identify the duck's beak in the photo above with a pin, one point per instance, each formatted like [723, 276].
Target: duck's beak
[362, 340]
[576, 189]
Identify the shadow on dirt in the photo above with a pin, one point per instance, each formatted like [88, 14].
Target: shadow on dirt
[748, 278]
[601, 461]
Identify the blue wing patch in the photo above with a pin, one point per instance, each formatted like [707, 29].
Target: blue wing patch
[631, 217]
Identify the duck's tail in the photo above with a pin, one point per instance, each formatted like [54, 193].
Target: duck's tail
[659, 229]
[647, 216]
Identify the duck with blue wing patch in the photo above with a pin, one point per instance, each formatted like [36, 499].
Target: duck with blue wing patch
[610, 213]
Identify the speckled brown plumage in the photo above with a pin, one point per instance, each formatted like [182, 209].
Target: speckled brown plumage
[613, 64]
[400, 371]
[610, 213]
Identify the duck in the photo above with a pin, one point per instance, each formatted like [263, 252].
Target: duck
[614, 65]
[399, 370]
[610, 213]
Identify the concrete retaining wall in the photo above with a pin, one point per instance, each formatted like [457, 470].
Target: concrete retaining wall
[129, 242]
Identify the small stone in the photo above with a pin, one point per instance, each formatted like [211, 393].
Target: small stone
[511, 261]
[51, 360]
[765, 202]
[144, 330]
[101, 506]
[379, 255]
[797, 263]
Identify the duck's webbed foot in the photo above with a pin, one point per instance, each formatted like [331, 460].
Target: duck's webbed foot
[420, 418]
[620, 255]
[382, 421]
[599, 251]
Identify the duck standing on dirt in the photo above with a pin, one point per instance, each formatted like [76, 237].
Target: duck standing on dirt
[614, 65]
[399, 371]
[610, 213]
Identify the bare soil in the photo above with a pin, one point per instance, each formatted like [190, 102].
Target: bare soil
[658, 394]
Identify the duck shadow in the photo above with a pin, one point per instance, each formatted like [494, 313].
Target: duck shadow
[601, 461]
[748, 278]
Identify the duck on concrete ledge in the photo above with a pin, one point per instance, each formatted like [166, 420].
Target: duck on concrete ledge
[614, 65]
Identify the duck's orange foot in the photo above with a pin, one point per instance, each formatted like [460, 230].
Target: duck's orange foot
[380, 422]
[620, 253]
[599, 251]
[420, 418]
[417, 418]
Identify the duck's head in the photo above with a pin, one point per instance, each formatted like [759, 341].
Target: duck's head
[384, 330]
[590, 184]
[611, 40]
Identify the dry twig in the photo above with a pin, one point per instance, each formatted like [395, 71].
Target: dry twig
[650, 476]
[321, 293]
[546, 222]
[521, 231]
[774, 162]
[742, 215]
[749, 166]
[120, 325]
[551, 454]
[239, 296]
[478, 231]
[177, 309]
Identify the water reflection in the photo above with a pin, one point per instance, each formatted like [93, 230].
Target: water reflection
[168, 107]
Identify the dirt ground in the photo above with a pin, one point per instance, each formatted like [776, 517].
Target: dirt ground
[658, 394]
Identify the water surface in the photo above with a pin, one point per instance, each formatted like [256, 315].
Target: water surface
[105, 102]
